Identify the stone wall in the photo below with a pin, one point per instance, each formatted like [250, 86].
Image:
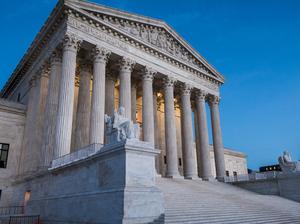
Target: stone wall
[12, 122]
[285, 185]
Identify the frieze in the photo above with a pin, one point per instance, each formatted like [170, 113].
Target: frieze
[86, 28]
[98, 32]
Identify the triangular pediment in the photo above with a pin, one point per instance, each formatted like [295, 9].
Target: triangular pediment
[153, 32]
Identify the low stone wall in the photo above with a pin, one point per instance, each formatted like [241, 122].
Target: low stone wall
[115, 185]
[284, 185]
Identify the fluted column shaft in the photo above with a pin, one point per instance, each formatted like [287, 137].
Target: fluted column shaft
[98, 95]
[148, 115]
[133, 101]
[170, 129]
[202, 135]
[126, 66]
[51, 108]
[217, 137]
[66, 96]
[109, 95]
[83, 107]
[188, 152]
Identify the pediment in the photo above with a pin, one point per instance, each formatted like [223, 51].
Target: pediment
[153, 32]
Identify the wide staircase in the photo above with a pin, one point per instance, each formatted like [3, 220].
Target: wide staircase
[195, 201]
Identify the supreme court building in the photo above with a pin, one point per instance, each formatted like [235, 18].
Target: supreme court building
[87, 61]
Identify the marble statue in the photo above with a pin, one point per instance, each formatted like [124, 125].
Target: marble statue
[120, 128]
[287, 164]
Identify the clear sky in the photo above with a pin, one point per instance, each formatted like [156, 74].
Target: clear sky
[255, 44]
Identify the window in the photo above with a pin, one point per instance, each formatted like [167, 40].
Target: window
[165, 159]
[0, 194]
[180, 163]
[19, 97]
[227, 173]
[3, 155]
[234, 173]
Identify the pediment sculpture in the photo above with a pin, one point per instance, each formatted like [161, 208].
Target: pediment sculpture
[119, 127]
[286, 163]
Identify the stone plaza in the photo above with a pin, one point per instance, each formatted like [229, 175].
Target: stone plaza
[105, 118]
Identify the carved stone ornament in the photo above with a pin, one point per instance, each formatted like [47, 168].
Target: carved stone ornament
[126, 64]
[148, 74]
[186, 89]
[119, 128]
[201, 95]
[286, 163]
[213, 100]
[169, 82]
[71, 42]
[32, 81]
[56, 57]
[43, 71]
[85, 67]
[100, 54]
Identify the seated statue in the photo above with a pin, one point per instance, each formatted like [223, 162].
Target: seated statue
[286, 163]
[119, 127]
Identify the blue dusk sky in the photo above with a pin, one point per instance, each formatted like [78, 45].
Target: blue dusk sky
[254, 44]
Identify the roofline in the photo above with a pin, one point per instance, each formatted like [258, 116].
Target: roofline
[153, 21]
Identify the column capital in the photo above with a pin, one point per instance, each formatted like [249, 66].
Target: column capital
[186, 89]
[200, 95]
[71, 42]
[126, 64]
[56, 57]
[100, 54]
[148, 74]
[43, 71]
[77, 81]
[85, 67]
[32, 81]
[213, 100]
[169, 81]
[110, 75]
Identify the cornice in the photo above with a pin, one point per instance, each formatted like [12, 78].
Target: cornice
[108, 29]
[112, 12]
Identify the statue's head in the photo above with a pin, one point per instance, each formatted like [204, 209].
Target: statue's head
[285, 152]
[122, 111]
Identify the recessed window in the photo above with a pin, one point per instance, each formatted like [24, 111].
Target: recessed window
[0, 194]
[3, 154]
[165, 160]
[180, 162]
[234, 173]
[19, 97]
[227, 173]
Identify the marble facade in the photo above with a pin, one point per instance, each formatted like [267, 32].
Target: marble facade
[87, 61]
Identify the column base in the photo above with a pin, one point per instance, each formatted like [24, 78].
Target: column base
[220, 179]
[174, 176]
[192, 178]
[209, 179]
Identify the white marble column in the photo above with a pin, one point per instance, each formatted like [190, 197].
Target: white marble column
[217, 137]
[202, 136]
[148, 115]
[110, 93]
[83, 106]
[133, 100]
[170, 129]
[51, 108]
[98, 95]
[188, 151]
[66, 96]
[126, 66]
[156, 133]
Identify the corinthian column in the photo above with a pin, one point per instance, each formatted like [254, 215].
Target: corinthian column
[188, 152]
[126, 66]
[170, 129]
[98, 95]
[133, 100]
[110, 93]
[83, 106]
[51, 108]
[148, 116]
[202, 135]
[217, 137]
[66, 96]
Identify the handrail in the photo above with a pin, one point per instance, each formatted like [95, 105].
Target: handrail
[29, 219]
[11, 210]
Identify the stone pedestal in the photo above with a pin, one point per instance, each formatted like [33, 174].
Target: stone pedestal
[115, 185]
